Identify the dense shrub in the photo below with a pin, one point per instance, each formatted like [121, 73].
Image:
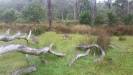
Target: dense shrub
[99, 19]
[34, 12]
[9, 16]
[111, 19]
[85, 18]
[128, 20]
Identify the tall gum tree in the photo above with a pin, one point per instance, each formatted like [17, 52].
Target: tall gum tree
[49, 14]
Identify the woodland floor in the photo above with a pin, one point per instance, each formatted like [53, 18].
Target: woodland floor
[121, 55]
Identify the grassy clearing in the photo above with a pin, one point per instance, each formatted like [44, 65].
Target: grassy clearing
[122, 63]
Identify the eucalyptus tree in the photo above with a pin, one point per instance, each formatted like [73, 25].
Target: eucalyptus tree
[49, 13]
[109, 4]
[121, 7]
[63, 9]
[93, 11]
[34, 12]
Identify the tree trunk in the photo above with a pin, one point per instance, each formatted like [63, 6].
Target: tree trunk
[109, 4]
[74, 14]
[7, 37]
[93, 11]
[62, 16]
[76, 10]
[49, 14]
[128, 7]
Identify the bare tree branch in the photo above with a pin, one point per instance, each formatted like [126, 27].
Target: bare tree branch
[8, 37]
[79, 56]
[87, 48]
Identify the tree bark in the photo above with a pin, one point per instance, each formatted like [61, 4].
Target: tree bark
[76, 10]
[49, 14]
[128, 7]
[28, 50]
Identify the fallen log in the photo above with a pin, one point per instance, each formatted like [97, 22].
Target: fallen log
[8, 37]
[28, 50]
[87, 49]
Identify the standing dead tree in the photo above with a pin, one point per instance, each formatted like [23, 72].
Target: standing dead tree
[76, 9]
[8, 37]
[110, 4]
[87, 49]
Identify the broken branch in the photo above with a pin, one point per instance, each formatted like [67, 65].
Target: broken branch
[87, 48]
[27, 50]
[7, 37]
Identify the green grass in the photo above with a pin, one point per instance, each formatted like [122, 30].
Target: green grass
[122, 58]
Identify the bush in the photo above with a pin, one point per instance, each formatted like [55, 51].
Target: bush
[85, 18]
[34, 12]
[111, 19]
[128, 20]
[99, 19]
[9, 16]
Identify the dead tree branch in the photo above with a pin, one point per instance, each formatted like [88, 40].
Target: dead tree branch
[28, 50]
[87, 49]
[8, 37]
[79, 56]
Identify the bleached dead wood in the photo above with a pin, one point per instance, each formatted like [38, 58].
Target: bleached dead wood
[28, 50]
[87, 49]
[24, 70]
[79, 56]
[8, 37]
